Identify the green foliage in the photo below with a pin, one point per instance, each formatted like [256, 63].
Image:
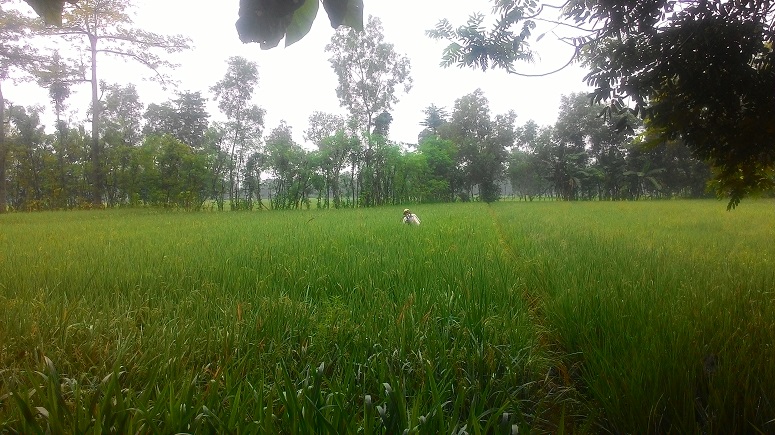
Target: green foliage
[184, 117]
[121, 114]
[726, 117]
[499, 47]
[245, 124]
[267, 22]
[368, 71]
[481, 143]
[439, 157]
[106, 26]
[702, 73]
[16, 54]
[291, 169]
[435, 117]
[50, 10]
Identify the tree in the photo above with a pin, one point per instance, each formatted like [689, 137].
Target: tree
[481, 143]
[368, 71]
[441, 175]
[528, 160]
[435, 117]
[706, 76]
[105, 27]
[234, 94]
[120, 132]
[594, 143]
[121, 114]
[290, 168]
[28, 158]
[329, 133]
[56, 76]
[323, 125]
[382, 124]
[184, 117]
[703, 72]
[16, 55]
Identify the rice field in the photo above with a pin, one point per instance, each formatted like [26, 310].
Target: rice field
[623, 317]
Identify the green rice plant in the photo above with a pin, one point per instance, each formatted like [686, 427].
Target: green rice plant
[667, 317]
[551, 317]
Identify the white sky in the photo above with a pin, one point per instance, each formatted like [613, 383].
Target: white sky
[298, 80]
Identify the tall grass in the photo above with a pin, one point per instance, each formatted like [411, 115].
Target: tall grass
[166, 322]
[665, 311]
[637, 317]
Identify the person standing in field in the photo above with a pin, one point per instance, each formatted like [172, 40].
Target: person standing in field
[410, 218]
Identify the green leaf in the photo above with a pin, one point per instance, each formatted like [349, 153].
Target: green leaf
[49, 10]
[301, 22]
[354, 15]
[345, 12]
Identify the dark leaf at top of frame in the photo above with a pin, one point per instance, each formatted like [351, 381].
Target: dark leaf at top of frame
[49, 10]
[302, 22]
[265, 21]
[345, 12]
[268, 21]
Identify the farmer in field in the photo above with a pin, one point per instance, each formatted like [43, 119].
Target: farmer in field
[410, 218]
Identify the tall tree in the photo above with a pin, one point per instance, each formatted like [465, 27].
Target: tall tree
[481, 142]
[329, 133]
[435, 117]
[440, 176]
[28, 158]
[234, 93]
[290, 168]
[369, 71]
[16, 55]
[184, 117]
[323, 125]
[594, 144]
[121, 113]
[106, 27]
[120, 132]
[56, 76]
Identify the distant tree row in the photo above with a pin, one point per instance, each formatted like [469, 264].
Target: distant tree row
[172, 155]
[169, 155]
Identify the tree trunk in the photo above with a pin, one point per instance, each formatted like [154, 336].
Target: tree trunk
[335, 188]
[3, 153]
[96, 153]
[352, 182]
[233, 163]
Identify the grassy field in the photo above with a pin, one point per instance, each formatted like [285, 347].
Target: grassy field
[531, 317]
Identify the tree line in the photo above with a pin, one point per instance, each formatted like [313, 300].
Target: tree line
[172, 155]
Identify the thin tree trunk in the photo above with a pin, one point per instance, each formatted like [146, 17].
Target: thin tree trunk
[96, 154]
[3, 153]
[233, 164]
[63, 193]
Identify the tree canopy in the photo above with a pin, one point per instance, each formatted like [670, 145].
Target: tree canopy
[703, 72]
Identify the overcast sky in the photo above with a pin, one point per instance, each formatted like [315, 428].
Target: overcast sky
[298, 80]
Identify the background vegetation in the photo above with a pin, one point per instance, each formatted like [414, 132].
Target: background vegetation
[171, 155]
[549, 316]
